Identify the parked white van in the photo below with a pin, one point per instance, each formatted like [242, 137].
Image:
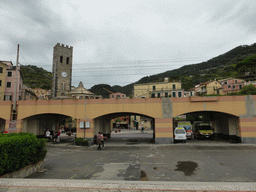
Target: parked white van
[180, 135]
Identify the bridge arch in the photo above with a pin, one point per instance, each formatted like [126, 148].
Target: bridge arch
[39, 123]
[103, 123]
[225, 125]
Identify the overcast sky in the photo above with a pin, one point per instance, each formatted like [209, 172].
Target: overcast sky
[117, 42]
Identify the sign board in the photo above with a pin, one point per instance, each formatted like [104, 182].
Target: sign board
[12, 126]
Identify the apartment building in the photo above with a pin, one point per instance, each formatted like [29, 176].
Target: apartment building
[158, 89]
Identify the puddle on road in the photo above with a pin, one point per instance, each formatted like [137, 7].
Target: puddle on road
[188, 167]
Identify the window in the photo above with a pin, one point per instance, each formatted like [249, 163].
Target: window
[226, 83]
[1, 69]
[9, 74]
[63, 86]
[173, 86]
[240, 86]
[154, 88]
[153, 95]
[118, 96]
[173, 94]
[179, 94]
[113, 96]
[122, 95]
[234, 87]
[0, 82]
[235, 81]
[8, 97]
[166, 94]
[61, 59]
[158, 95]
[229, 86]
[9, 84]
[67, 60]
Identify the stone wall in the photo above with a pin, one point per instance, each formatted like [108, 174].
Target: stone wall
[26, 171]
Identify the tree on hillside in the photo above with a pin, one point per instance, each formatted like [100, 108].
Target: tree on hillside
[248, 90]
[98, 90]
[247, 65]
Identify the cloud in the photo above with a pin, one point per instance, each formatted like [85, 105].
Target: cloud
[118, 33]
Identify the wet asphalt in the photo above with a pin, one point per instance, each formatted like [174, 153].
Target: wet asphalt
[148, 162]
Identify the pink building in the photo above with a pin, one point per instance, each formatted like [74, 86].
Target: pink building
[117, 95]
[231, 85]
[11, 80]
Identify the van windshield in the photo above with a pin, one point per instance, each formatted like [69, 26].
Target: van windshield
[180, 131]
[188, 128]
[205, 127]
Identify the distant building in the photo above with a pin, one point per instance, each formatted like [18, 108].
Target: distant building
[11, 80]
[81, 93]
[231, 85]
[3, 69]
[42, 93]
[208, 88]
[117, 96]
[158, 89]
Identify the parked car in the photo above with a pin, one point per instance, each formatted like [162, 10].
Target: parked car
[188, 127]
[180, 135]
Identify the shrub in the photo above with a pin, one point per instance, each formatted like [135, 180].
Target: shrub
[17, 150]
[81, 141]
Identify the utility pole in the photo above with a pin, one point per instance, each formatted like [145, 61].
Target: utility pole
[15, 86]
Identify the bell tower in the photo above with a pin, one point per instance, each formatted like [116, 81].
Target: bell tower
[61, 70]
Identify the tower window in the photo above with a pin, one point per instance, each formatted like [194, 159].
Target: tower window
[61, 59]
[67, 60]
[1, 69]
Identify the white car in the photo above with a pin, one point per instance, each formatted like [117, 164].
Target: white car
[180, 135]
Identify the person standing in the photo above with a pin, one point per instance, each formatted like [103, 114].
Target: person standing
[55, 136]
[58, 140]
[99, 138]
[48, 135]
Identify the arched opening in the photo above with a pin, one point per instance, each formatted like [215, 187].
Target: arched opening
[39, 124]
[2, 125]
[126, 128]
[209, 127]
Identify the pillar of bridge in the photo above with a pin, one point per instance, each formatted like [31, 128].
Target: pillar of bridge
[2, 125]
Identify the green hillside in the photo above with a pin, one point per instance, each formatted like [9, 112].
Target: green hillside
[36, 77]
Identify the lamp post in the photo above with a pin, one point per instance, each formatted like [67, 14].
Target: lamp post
[15, 87]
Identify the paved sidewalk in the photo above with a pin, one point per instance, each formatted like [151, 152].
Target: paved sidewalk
[119, 186]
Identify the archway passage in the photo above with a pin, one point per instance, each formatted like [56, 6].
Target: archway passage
[39, 124]
[2, 125]
[225, 127]
[126, 128]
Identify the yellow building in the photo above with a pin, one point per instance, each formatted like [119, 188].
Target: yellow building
[158, 89]
[208, 88]
[2, 79]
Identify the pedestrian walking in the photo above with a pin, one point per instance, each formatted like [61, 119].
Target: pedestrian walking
[102, 140]
[99, 138]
